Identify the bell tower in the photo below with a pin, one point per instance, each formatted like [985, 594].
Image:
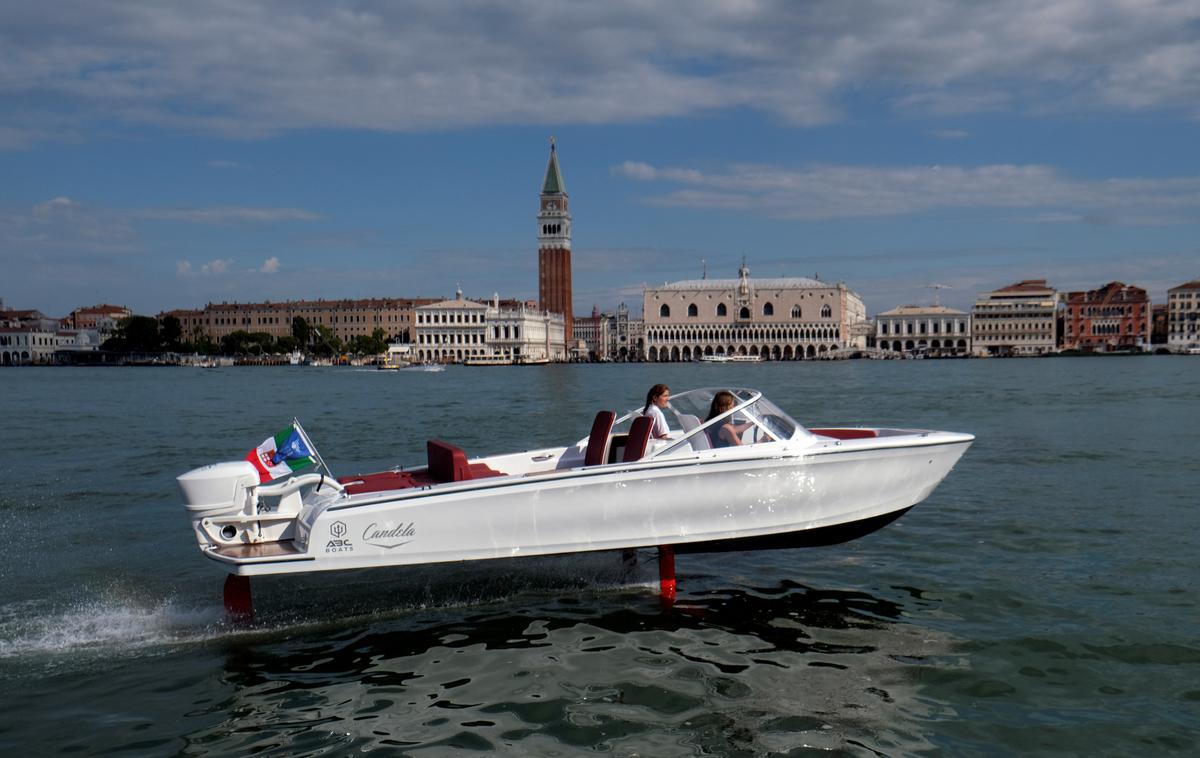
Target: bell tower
[554, 246]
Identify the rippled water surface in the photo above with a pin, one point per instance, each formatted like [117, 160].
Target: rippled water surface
[1042, 600]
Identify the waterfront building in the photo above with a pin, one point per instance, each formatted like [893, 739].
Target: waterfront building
[611, 336]
[459, 330]
[776, 319]
[1183, 315]
[554, 246]
[1114, 317]
[103, 317]
[1019, 319]
[592, 331]
[344, 318]
[451, 330]
[525, 334]
[626, 336]
[25, 345]
[27, 319]
[929, 329]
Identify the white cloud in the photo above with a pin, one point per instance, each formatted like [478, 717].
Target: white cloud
[253, 67]
[217, 266]
[270, 266]
[826, 192]
[225, 215]
[223, 164]
[58, 205]
[183, 268]
[62, 224]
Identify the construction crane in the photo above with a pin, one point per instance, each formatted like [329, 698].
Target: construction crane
[937, 292]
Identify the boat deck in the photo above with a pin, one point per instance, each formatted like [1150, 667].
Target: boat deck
[261, 550]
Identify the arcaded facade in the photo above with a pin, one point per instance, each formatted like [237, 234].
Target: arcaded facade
[777, 319]
[924, 329]
[455, 331]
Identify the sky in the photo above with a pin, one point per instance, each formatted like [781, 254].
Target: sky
[168, 155]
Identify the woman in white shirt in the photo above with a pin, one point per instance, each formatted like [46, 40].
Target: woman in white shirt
[657, 398]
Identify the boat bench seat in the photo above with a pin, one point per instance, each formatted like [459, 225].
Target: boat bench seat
[383, 481]
[845, 434]
[447, 463]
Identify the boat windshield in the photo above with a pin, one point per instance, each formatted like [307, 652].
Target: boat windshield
[758, 420]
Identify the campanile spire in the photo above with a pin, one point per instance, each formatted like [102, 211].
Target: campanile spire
[554, 244]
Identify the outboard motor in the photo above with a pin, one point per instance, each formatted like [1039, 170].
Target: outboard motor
[220, 489]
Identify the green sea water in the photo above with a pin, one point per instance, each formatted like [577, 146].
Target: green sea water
[1042, 601]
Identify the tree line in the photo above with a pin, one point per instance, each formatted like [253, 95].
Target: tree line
[143, 334]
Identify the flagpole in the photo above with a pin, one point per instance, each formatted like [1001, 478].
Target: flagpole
[312, 447]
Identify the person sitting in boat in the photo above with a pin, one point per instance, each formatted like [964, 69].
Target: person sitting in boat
[726, 434]
[657, 398]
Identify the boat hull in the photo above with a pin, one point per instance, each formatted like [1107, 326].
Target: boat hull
[708, 502]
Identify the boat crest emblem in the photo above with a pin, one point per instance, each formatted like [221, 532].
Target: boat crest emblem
[337, 543]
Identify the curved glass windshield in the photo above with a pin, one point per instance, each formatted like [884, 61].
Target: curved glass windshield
[696, 423]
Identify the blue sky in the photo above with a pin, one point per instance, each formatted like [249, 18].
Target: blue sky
[168, 155]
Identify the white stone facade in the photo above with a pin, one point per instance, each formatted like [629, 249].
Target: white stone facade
[526, 334]
[456, 330]
[1018, 320]
[451, 331]
[778, 319]
[20, 347]
[1183, 316]
[929, 329]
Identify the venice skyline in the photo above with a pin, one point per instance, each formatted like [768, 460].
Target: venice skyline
[161, 162]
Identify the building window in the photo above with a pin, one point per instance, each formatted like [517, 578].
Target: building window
[692, 311]
[826, 312]
[744, 312]
[722, 310]
[768, 309]
[795, 311]
[664, 311]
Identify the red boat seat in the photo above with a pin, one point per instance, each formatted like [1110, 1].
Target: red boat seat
[381, 482]
[639, 438]
[448, 463]
[845, 434]
[597, 447]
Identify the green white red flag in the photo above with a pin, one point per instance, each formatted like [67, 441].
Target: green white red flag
[282, 454]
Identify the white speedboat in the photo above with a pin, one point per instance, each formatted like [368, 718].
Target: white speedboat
[426, 367]
[783, 486]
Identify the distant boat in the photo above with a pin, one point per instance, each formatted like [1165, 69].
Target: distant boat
[731, 359]
[430, 367]
[488, 360]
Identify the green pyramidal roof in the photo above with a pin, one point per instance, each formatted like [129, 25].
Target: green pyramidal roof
[554, 184]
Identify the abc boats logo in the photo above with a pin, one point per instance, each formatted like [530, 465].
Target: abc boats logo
[337, 542]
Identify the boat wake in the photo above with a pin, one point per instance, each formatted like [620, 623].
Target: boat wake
[119, 624]
[103, 624]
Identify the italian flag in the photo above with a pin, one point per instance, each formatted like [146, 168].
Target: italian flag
[282, 454]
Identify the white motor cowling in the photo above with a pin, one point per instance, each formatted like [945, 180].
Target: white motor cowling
[218, 489]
